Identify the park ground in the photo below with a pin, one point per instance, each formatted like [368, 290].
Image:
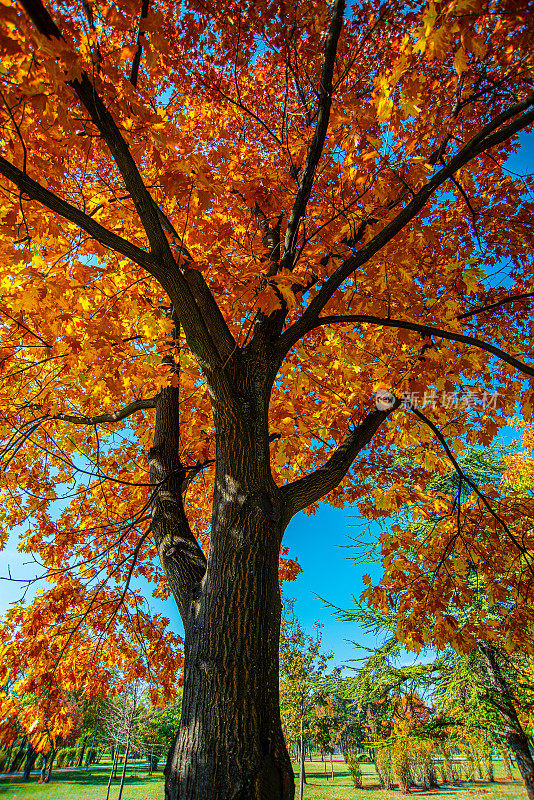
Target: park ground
[81, 785]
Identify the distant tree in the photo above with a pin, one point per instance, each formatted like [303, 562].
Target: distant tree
[336, 721]
[468, 708]
[30, 733]
[91, 711]
[122, 718]
[450, 579]
[302, 670]
[157, 731]
[325, 728]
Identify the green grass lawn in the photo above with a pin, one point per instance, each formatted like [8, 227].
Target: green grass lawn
[92, 786]
[341, 788]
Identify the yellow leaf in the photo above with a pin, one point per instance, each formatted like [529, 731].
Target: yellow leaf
[460, 62]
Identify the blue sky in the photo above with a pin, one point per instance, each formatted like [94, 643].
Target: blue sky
[323, 546]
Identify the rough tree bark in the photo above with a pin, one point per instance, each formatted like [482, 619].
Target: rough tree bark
[230, 742]
[515, 736]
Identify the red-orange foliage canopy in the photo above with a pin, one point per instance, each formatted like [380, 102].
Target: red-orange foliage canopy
[378, 199]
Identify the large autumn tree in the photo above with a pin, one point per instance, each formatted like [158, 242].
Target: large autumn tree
[224, 225]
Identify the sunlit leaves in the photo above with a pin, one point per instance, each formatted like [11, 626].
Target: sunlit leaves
[219, 125]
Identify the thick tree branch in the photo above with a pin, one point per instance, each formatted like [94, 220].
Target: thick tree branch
[319, 136]
[497, 304]
[222, 337]
[115, 416]
[181, 556]
[165, 268]
[134, 74]
[59, 206]
[301, 493]
[428, 330]
[497, 131]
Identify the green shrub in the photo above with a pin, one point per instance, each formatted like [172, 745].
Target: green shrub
[354, 768]
[66, 757]
[95, 756]
[39, 762]
[401, 763]
[365, 758]
[384, 767]
[3, 760]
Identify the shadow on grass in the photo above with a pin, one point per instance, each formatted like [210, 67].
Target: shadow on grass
[321, 774]
[85, 779]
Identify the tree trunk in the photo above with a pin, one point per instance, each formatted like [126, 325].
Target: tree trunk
[229, 745]
[9, 753]
[125, 763]
[46, 772]
[302, 766]
[43, 768]
[230, 737]
[302, 758]
[488, 765]
[113, 767]
[448, 774]
[19, 755]
[116, 761]
[31, 758]
[478, 766]
[332, 766]
[9, 756]
[82, 752]
[302, 771]
[470, 764]
[515, 735]
[90, 756]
